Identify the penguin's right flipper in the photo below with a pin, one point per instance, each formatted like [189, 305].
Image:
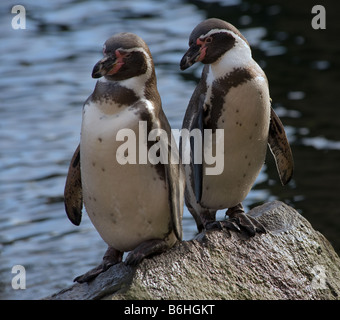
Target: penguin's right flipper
[197, 153]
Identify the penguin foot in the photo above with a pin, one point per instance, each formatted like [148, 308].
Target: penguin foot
[111, 257]
[247, 224]
[146, 249]
[220, 225]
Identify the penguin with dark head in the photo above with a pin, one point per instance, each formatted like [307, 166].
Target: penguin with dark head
[232, 95]
[136, 207]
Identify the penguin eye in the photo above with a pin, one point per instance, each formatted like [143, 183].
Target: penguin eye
[208, 40]
[123, 54]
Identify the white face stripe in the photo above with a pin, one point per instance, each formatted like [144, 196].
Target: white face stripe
[137, 84]
[135, 49]
[237, 57]
[236, 36]
[139, 49]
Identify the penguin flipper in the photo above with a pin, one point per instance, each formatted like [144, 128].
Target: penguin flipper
[176, 199]
[73, 194]
[280, 148]
[174, 176]
[197, 123]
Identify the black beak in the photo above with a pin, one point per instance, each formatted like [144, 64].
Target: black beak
[190, 57]
[102, 67]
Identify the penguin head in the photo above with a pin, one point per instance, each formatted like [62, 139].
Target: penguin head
[210, 40]
[125, 56]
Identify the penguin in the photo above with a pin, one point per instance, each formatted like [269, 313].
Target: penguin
[135, 206]
[231, 97]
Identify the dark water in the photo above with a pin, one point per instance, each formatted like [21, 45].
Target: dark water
[45, 78]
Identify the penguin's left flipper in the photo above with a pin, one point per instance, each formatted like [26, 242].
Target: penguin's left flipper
[280, 148]
[73, 193]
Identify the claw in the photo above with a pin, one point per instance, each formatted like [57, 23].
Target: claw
[231, 225]
[238, 221]
[246, 223]
[213, 225]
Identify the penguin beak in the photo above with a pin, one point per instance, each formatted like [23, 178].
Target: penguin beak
[191, 57]
[104, 67]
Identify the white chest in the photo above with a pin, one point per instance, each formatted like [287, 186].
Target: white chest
[244, 118]
[127, 204]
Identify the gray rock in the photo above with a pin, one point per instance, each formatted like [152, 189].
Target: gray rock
[290, 261]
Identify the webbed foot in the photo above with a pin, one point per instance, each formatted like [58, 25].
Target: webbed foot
[111, 257]
[220, 225]
[146, 249]
[247, 224]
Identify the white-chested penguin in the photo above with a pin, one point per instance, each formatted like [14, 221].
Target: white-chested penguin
[232, 95]
[138, 206]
